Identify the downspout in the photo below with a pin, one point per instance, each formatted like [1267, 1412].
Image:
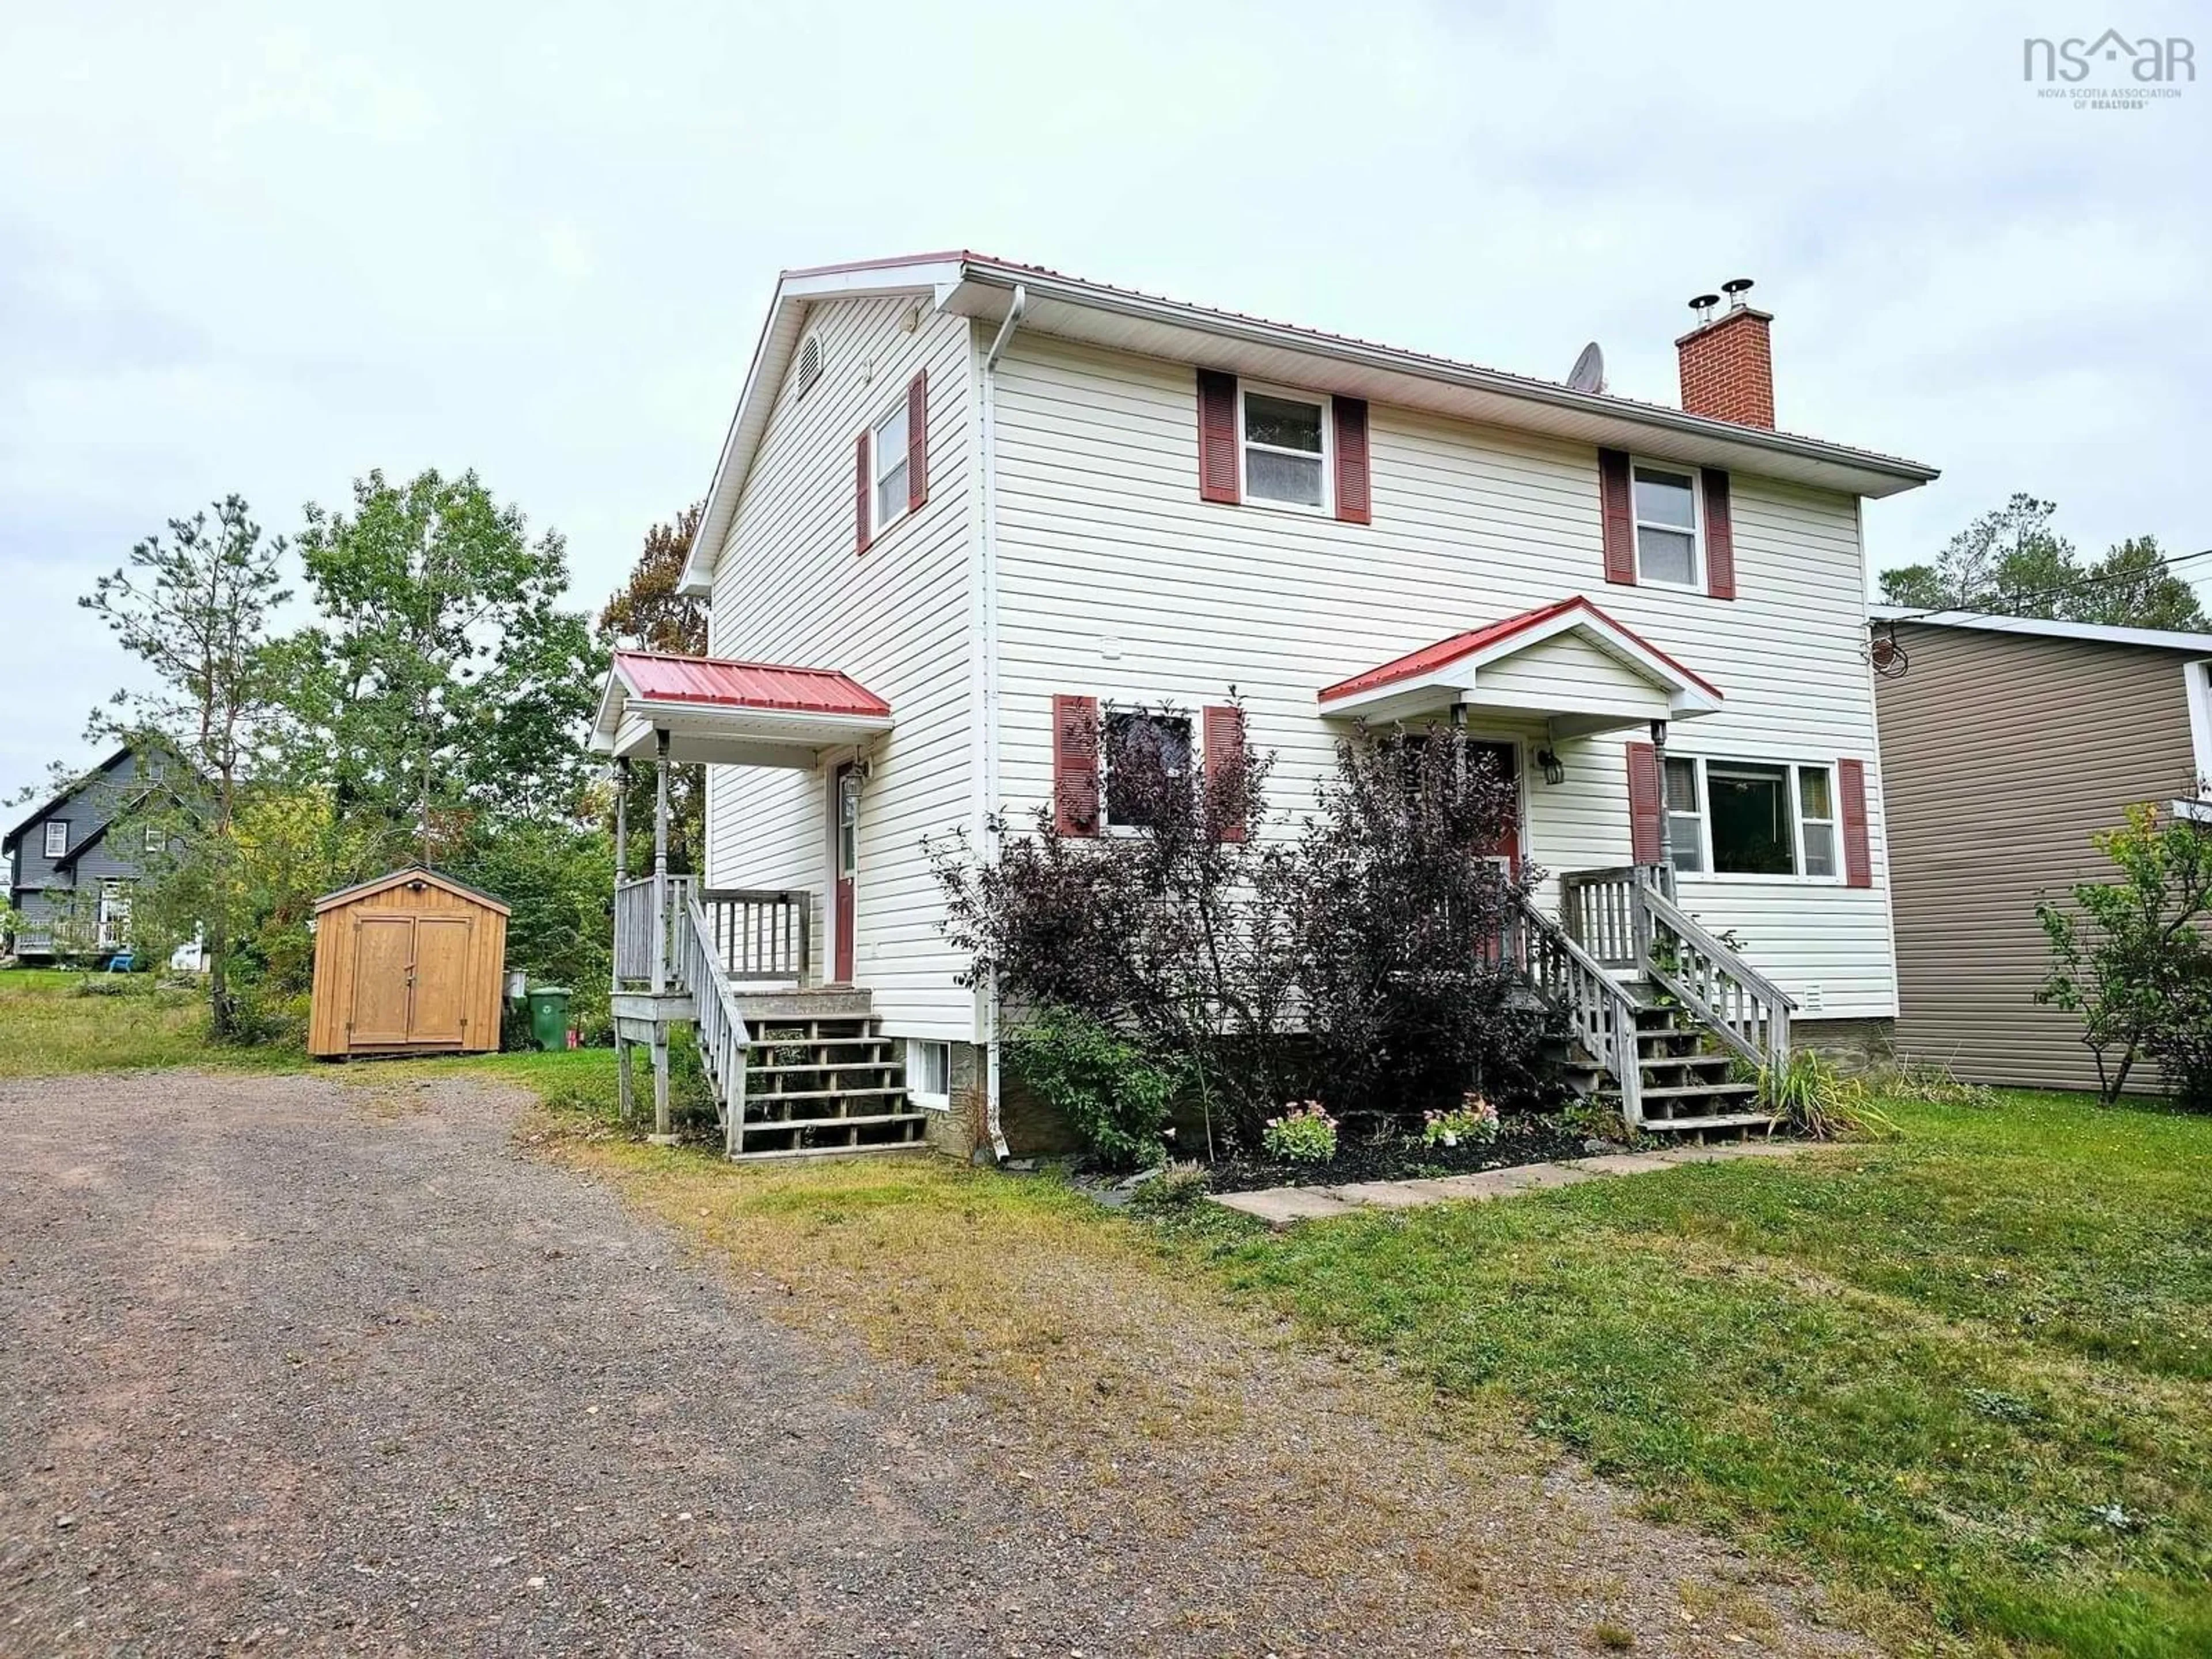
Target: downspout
[993, 1125]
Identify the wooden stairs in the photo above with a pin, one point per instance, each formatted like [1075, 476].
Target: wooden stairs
[1692, 1089]
[819, 1078]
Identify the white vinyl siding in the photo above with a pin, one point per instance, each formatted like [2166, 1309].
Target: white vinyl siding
[1115, 579]
[789, 589]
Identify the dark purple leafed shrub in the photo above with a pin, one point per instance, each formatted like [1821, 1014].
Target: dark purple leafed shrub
[1359, 961]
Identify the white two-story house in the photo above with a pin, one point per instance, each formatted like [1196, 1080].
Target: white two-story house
[966, 506]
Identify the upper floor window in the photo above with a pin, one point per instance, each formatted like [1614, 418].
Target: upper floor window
[1156, 741]
[157, 839]
[1666, 526]
[57, 837]
[1285, 442]
[887, 447]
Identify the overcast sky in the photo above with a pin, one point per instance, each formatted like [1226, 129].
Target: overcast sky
[265, 247]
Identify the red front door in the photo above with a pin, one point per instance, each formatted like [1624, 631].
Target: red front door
[845, 802]
[1507, 758]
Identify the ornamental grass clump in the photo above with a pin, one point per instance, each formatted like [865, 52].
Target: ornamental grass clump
[1303, 1134]
[1474, 1121]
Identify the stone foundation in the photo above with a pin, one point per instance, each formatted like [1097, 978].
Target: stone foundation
[1851, 1046]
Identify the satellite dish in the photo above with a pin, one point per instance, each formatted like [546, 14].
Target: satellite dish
[1589, 372]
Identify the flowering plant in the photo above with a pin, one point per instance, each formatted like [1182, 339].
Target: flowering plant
[1305, 1133]
[1474, 1119]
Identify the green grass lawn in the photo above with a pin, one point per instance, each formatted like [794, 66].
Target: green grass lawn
[1969, 1370]
[47, 1029]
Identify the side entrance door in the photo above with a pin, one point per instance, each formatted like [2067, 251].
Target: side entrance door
[847, 799]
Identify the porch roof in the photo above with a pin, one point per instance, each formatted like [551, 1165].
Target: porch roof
[1568, 663]
[729, 713]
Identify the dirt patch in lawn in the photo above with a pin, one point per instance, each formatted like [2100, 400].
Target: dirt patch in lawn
[1155, 1409]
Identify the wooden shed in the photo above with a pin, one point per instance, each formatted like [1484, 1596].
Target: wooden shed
[409, 963]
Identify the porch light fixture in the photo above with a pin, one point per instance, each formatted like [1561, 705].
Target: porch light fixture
[1555, 769]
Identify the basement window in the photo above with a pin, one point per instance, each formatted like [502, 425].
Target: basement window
[929, 1074]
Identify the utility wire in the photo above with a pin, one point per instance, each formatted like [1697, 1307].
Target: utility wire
[2162, 568]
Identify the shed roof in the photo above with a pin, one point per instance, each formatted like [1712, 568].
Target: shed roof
[413, 872]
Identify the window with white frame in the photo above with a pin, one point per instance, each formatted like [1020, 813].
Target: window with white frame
[156, 839]
[1727, 817]
[1283, 442]
[56, 841]
[1686, 815]
[1138, 737]
[1666, 525]
[929, 1074]
[887, 452]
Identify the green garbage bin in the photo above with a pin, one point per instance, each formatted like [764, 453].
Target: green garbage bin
[548, 1015]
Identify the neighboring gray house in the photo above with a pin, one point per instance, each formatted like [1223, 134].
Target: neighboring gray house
[71, 863]
[2007, 742]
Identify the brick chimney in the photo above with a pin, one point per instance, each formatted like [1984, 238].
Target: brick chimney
[1727, 362]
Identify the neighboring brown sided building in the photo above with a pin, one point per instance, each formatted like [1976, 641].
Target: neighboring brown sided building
[2006, 743]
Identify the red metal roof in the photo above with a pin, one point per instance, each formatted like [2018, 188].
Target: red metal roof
[1431, 657]
[715, 682]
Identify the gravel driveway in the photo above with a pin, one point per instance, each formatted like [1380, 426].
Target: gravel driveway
[285, 1371]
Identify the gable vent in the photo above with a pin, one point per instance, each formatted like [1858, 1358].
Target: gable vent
[809, 363]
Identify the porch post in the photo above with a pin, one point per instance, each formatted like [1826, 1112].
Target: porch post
[662, 933]
[622, 820]
[660, 861]
[1659, 760]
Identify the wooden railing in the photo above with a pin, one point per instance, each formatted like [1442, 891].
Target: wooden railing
[1600, 1013]
[1627, 918]
[723, 1038]
[760, 935]
[1601, 910]
[1725, 993]
[647, 923]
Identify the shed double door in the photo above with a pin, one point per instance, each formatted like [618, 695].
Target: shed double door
[410, 979]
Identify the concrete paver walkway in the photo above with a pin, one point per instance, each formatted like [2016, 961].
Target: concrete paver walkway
[1279, 1206]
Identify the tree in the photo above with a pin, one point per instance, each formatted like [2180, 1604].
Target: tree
[195, 610]
[648, 614]
[2129, 956]
[2011, 563]
[445, 683]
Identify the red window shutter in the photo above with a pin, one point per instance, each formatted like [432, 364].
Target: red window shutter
[860, 494]
[917, 441]
[1224, 730]
[1643, 802]
[1075, 765]
[1619, 514]
[1353, 504]
[1858, 851]
[1217, 436]
[1719, 538]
